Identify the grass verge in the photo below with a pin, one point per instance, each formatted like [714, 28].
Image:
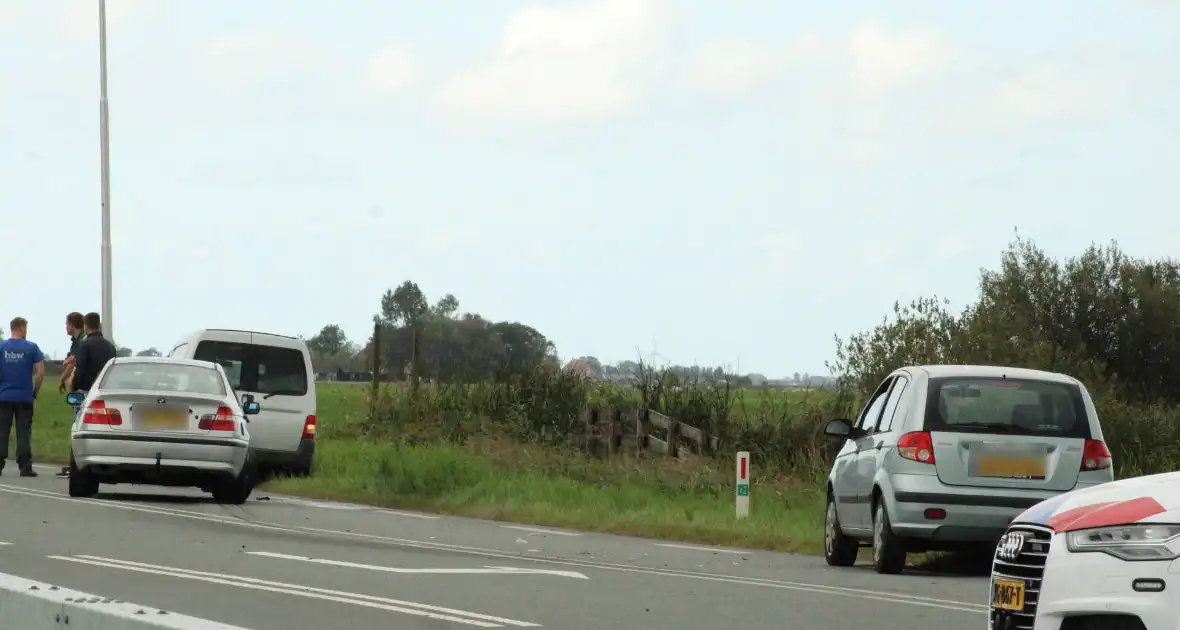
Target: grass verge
[507, 481]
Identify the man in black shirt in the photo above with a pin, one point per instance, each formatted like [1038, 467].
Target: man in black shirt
[75, 329]
[90, 357]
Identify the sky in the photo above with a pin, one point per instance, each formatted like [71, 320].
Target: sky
[692, 181]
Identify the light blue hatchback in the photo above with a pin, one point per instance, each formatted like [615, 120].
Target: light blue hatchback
[943, 457]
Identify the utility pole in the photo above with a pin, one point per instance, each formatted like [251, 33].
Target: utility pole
[104, 123]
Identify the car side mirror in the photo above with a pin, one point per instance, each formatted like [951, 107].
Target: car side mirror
[75, 398]
[251, 408]
[840, 428]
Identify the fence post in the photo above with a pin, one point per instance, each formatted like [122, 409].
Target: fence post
[743, 484]
[641, 425]
[673, 437]
[614, 432]
[376, 360]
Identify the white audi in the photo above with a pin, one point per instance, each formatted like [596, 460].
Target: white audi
[1102, 558]
[160, 421]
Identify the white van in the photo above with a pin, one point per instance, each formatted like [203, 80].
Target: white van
[275, 371]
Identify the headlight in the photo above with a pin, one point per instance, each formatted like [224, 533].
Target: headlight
[1129, 542]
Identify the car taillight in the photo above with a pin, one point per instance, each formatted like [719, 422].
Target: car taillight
[223, 420]
[1095, 455]
[309, 428]
[98, 413]
[916, 446]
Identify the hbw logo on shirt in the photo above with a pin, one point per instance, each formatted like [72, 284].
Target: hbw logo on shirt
[9, 355]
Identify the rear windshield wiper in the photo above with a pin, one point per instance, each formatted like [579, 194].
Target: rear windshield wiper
[283, 392]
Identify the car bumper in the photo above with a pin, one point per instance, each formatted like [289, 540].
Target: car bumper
[1094, 590]
[300, 458]
[971, 514]
[108, 452]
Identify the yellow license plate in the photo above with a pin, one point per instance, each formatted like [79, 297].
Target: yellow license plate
[1008, 594]
[1020, 468]
[163, 420]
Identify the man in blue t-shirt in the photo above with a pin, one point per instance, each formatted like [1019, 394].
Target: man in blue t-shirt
[22, 370]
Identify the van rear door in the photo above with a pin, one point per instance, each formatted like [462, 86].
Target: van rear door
[1007, 433]
[281, 385]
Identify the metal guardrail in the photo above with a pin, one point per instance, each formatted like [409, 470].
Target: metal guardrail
[30, 605]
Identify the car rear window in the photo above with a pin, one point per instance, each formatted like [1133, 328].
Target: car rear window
[258, 368]
[1006, 406]
[164, 377]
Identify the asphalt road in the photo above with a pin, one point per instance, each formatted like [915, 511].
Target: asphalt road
[282, 563]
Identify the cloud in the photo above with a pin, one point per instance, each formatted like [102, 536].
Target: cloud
[867, 62]
[391, 69]
[570, 63]
[734, 66]
[80, 17]
[882, 60]
[248, 57]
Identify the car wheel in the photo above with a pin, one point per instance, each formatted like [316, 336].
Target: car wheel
[888, 550]
[83, 485]
[235, 490]
[840, 550]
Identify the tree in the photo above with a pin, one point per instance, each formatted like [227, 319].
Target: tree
[121, 351]
[437, 342]
[1103, 317]
[330, 340]
[150, 352]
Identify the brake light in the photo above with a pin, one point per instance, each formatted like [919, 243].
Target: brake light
[98, 413]
[917, 447]
[309, 428]
[1095, 455]
[223, 420]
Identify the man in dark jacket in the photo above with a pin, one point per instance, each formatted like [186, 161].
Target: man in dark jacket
[94, 351]
[92, 354]
[75, 328]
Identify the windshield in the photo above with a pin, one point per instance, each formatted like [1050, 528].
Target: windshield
[167, 377]
[1007, 406]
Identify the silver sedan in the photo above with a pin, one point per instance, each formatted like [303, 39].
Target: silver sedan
[165, 422]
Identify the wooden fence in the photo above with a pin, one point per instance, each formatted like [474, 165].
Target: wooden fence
[615, 430]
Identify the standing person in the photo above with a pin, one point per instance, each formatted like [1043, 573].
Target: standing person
[74, 328]
[90, 357]
[22, 370]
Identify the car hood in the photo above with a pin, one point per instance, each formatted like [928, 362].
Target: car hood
[1150, 499]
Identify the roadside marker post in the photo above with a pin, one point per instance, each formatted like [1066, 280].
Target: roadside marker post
[743, 484]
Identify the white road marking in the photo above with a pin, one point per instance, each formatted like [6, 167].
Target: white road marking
[451, 571]
[429, 517]
[325, 505]
[842, 591]
[700, 548]
[539, 530]
[344, 597]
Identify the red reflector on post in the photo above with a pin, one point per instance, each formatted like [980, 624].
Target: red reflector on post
[935, 514]
[97, 413]
[309, 428]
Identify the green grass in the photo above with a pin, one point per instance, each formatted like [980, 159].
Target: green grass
[501, 480]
